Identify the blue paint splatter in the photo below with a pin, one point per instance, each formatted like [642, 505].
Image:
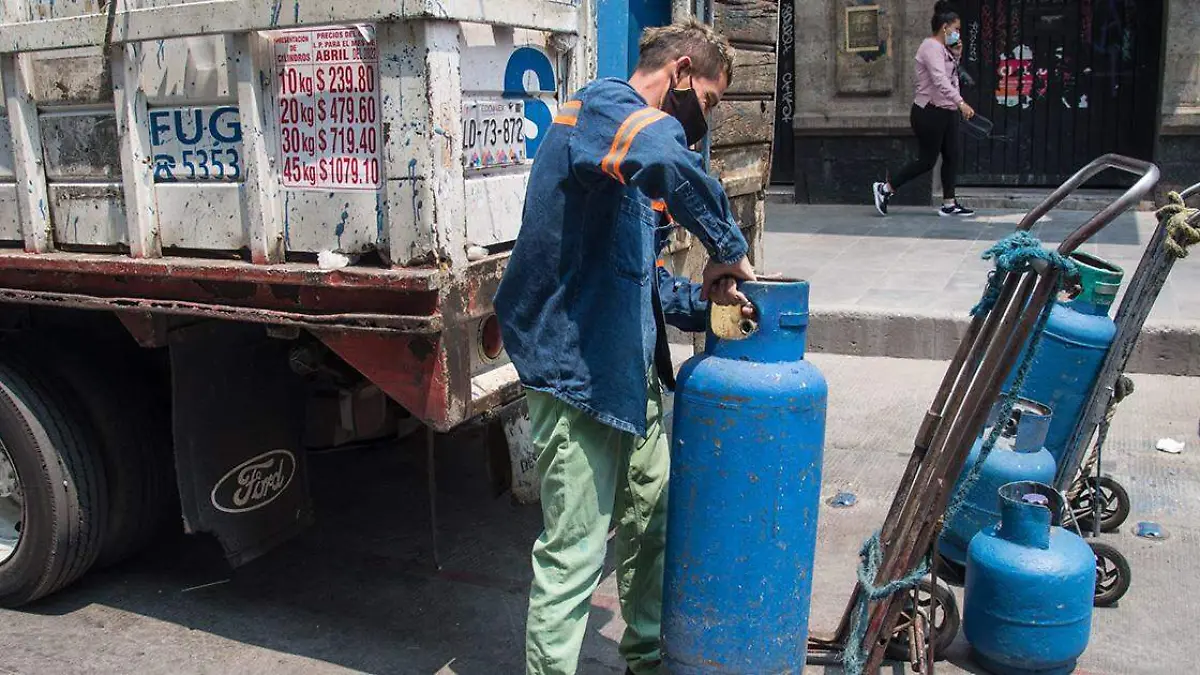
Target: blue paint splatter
[416, 201]
[296, 12]
[42, 207]
[380, 204]
[287, 220]
[162, 51]
[341, 227]
[275, 10]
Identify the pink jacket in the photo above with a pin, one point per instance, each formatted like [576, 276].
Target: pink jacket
[937, 76]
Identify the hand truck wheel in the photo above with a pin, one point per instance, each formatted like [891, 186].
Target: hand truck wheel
[1114, 504]
[938, 602]
[1113, 574]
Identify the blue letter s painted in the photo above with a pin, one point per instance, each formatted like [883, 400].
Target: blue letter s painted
[524, 60]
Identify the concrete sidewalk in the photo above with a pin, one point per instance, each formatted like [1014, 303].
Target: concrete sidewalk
[902, 285]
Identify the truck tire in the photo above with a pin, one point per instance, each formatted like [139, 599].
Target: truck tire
[63, 505]
[134, 438]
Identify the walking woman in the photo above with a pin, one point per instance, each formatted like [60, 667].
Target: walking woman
[935, 111]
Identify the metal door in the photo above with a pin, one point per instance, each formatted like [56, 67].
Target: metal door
[1064, 81]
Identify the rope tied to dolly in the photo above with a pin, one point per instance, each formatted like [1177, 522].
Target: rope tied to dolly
[1180, 232]
[1015, 253]
[1121, 390]
[854, 657]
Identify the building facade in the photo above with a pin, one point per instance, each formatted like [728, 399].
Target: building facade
[1062, 81]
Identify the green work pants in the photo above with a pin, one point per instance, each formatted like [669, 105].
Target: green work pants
[594, 477]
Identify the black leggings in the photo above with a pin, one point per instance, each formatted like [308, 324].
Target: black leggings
[937, 131]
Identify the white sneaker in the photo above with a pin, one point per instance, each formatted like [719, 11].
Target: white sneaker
[880, 191]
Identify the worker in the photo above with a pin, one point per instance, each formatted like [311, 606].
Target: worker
[582, 308]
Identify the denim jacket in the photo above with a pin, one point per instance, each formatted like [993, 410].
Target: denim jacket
[574, 305]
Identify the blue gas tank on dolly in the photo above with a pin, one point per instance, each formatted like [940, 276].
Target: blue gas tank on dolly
[1028, 598]
[1068, 360]
[1019, 455]
[745, 489]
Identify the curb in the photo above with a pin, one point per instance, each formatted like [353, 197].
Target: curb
[1165, 348]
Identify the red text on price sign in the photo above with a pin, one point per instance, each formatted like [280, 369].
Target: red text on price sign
[327, 90]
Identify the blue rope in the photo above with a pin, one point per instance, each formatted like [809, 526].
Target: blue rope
[1014, 253]
[854, 657]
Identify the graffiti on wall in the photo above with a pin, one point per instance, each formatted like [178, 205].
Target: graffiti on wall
[787, 54]
[1034, 65]
[1014, 84]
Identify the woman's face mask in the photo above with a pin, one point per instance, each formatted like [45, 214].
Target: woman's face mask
[684, 105]
[952, 38]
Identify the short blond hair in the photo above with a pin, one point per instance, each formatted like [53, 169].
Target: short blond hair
[710, 52]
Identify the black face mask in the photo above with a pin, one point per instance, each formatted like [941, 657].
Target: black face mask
[684, 105]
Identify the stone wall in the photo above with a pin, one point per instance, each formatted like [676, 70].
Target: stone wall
[1179, 133]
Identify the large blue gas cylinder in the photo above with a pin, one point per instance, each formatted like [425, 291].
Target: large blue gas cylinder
[1019, 455]
[1028, 598]
[1068, 360]
[745, 489]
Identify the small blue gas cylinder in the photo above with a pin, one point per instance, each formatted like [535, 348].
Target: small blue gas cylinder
[745, 488]
[1028, 598]
[1019, 455]
[1068, 360]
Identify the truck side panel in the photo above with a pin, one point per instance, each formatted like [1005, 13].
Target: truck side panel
[10, 223]
[195, 132]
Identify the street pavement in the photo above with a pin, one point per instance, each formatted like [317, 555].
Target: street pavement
[357, 593]
[915, 260]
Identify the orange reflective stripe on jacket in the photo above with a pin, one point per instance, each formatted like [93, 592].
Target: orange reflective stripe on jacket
[568, 114]
[630, 128]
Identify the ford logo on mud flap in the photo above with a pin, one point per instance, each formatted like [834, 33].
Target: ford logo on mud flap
[254, 483]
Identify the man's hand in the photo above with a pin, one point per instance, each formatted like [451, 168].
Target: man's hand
[720, 284]
[967, 111]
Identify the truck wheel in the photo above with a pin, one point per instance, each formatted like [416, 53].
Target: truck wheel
[136, 448]
[134, 437]
[52, 493]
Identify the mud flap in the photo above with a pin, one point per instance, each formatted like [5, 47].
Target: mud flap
[238, 426]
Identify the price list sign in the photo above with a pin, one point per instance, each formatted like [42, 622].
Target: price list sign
[327, 88]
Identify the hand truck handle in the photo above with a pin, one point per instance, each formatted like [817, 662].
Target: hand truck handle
[1149, 175]
[1190, 192]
